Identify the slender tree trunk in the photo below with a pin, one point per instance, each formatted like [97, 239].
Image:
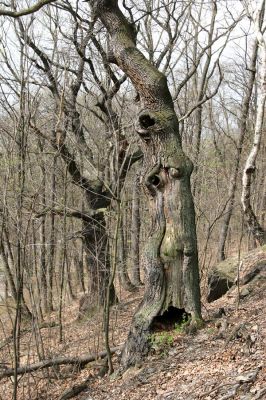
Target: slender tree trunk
[242, 134]
[80, 261]
[228, 211]
[252, 222]
[135, 235]
[8, 273]
[170, 256]
[43, 265]
[36, 290]
[69, 279]
[52, 240]
[79, 266]
[121, 260]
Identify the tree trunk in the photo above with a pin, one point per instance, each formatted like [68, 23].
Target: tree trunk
[43, 264]
[252, 222]
[8, 273]
[122, 264]
[95, 240]
[242, 134]
[135, 233]
[170, 256]
[52, 239]
[69, 280]
[79, 266]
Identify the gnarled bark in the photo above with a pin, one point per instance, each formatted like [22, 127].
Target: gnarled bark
[170, 255]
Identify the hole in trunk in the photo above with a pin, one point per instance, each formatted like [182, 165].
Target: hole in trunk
[146, 121]
[170, 318]
[155, 180]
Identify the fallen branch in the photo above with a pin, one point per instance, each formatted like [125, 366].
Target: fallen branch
[80, 361]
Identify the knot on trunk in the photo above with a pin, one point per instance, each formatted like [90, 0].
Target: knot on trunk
[176, 173]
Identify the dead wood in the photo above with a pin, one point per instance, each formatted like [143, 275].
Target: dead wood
[79, 361]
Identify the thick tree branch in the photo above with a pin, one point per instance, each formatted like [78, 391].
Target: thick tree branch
[153, 87]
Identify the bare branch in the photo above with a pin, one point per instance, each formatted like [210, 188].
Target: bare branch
[30, 10]
[69, 212]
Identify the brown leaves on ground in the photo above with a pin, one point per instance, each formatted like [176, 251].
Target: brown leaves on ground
[224, 360]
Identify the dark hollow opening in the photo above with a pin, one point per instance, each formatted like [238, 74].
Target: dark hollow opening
[146, 121]
[250, 170]
[171, 317]
[155, 180]
[218, 287]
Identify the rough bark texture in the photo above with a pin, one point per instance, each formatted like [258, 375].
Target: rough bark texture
[170, 255]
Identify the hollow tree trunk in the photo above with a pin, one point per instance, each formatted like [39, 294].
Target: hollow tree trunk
[170, 256]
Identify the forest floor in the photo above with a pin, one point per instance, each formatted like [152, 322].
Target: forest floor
[223, 360]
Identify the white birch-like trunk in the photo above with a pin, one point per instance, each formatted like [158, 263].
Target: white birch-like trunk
[250, 166]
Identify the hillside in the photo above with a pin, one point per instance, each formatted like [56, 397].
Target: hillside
[224, 360]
